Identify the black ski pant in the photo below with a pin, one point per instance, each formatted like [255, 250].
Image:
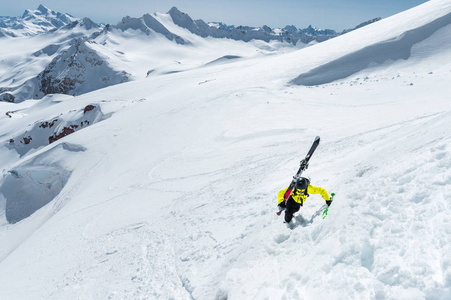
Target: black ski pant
[292, 207]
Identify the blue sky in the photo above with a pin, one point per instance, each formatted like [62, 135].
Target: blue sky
[333, 14]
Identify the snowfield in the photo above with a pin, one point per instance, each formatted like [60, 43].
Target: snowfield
[167, 188]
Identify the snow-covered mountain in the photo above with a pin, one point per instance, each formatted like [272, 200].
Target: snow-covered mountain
[288, 34]
[52, 68]
[165, 186]
[34, 22]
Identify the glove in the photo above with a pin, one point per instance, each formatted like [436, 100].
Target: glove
[282, 205]
[328, 202]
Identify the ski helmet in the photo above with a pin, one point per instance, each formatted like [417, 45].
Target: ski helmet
[302, 183]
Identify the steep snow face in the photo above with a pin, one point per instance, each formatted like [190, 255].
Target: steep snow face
[174, 195]
[76, 70]
[34, 22]
[84, 24]
[375, 55]
[148, 25]
[183, 20]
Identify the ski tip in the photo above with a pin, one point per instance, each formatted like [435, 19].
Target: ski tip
[317, 138]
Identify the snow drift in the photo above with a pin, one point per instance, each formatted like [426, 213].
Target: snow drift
[29, 188]
[388, 51]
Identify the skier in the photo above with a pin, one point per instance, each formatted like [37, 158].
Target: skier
[300, 192]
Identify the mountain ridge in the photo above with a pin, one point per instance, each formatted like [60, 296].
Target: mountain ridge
[34, 22]
[176, 26]
[50, 20]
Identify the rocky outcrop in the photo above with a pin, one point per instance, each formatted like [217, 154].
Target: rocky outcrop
[66, 131]
[73, 72]
[362, 25]
[47, 132]
[7, 97]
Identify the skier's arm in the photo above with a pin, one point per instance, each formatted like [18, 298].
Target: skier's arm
[318, 190]
[281, 195]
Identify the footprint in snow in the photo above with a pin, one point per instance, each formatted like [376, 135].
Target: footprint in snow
[281, 237]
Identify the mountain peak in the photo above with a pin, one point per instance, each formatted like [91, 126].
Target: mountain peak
[175, 10]
[88, 23]
[35, 22]
[178, 15]
[44, 10]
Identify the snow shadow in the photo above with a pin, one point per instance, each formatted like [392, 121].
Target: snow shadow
[29, 188]
[47, 51]
[377, 54]
[299, 220]
[224, 59]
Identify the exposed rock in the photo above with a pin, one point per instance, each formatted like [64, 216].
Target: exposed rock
[27, 140]
[48, 124]
[66, 131]
[43, 133]
[7, 97]
[88, 108]
[68, 72]
[362, 25]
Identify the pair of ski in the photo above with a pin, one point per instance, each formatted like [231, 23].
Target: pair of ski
[303, 166]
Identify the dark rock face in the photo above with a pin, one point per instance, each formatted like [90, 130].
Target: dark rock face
[48, 124]
[88, 108]
[27, 140]
[78, 63]
[362, 25]
[63, 133]
[7, 97]
[52, 85]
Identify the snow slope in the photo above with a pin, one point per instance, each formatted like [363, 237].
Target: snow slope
[171, 193]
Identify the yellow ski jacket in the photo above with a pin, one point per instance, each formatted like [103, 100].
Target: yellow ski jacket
[299, 196]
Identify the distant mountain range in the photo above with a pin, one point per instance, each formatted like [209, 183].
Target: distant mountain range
[44, 20]
[34, 22]
[80, 55]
